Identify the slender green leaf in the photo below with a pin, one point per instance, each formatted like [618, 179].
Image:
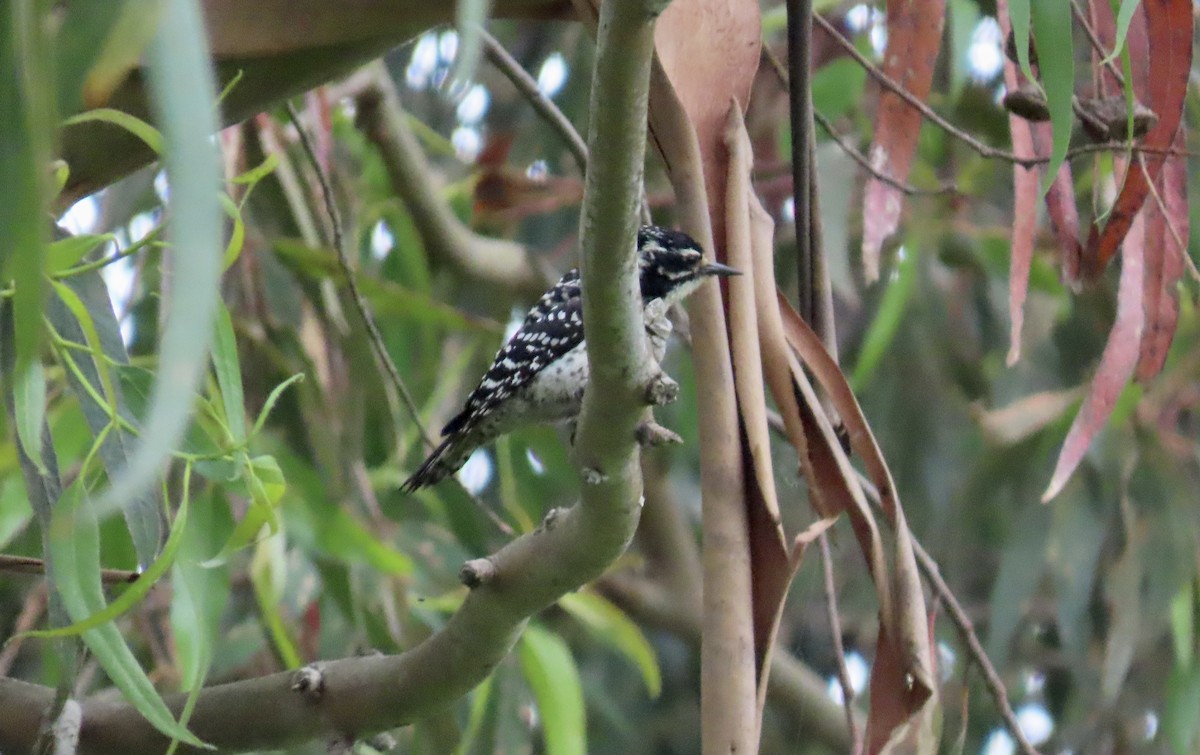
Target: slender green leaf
[66, 252]
[131, 123]
[237, 234]
[549, 668]
[26, 122]
[75, 548]
[132, 594]
[267, 570]
[83, 316]
[1181, 709]
[82, 313]
[610, 625]
[183, 97]
[229, 375]
[480, 699]
[882, 330]
[1056, 62]
[1124, 18]
[29, 396]
[198, 600]
[1183, 625]
[123, 46]
[1018, 15]
[272, 399]
[251, 177]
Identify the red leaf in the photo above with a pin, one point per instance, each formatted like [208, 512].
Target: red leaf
[1169, 29]
[1166, 240]
[1116, 365]
[914, 30]
[1025, 198]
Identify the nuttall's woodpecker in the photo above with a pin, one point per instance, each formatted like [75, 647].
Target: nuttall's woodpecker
[539, 376]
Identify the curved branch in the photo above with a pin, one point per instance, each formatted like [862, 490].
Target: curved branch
[352, 697]
[493, 261]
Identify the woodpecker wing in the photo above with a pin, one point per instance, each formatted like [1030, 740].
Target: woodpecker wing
[562, 292]
[551, 329]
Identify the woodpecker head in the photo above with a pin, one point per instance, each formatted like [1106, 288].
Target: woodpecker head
[671, 264]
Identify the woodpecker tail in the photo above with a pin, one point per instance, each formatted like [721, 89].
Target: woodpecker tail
[445, 460]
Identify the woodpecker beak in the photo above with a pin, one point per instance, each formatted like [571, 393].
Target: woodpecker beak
[716, 268]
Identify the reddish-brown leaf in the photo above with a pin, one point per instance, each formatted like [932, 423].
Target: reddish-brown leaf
[902, 681]
[771, 570]
[1025, 199]
[1034, 140]
[1117, 363]
[710, 50]
[1169, 31]
[1167, 228]
[914, 30]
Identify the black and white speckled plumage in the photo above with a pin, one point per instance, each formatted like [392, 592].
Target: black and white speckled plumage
[539, 376]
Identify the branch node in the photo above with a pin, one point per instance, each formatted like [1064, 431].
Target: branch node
[661, 390]
[65, 729]
[550, 520]
[476, 572]
[309, 681]
[593, 476]
[382, 742]
[650, 434]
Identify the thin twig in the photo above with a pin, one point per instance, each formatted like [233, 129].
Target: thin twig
[364, 311]
[31, 613]
[852, 151]
[835, 631]
[30, 565]
[958, 615]
[545, 107]
[984, 150]
[360, 302]
[966, 630]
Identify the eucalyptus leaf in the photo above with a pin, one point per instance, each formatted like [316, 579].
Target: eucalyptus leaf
[550, 670]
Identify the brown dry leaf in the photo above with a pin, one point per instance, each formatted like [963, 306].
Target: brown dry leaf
[1117, 363]
[1024, 228]
[770, 564]
[914, 29]
[710, 50]
[1025, 416]
[904, 691]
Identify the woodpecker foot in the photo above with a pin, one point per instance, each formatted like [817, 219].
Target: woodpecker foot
[650, 434]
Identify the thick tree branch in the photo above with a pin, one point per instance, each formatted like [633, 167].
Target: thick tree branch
[363, 695]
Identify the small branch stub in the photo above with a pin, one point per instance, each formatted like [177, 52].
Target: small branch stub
[550, 519]
[476, 572]
[661, 390]
[309, 681]
[592, 476]
[650, 434]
